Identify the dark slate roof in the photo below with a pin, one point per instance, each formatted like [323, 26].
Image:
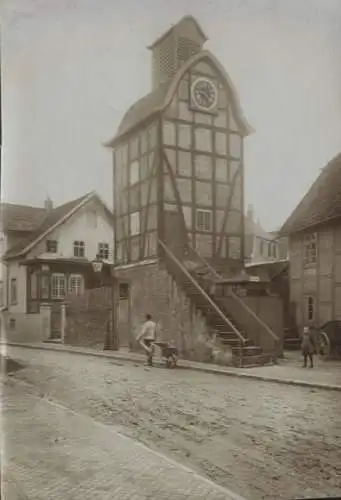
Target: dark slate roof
[21, 217]
[321, 203]
[49, 220]
[142, 109]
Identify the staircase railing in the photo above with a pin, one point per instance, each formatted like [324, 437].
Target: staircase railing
[202, 291]
[246, 308]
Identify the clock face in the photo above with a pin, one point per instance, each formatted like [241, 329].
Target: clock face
[204, 94]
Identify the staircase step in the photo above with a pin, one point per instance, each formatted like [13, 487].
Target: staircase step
[230, 342]
[247, 350]
[253, 361]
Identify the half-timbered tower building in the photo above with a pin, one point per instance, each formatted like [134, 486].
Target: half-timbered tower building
[179, 175]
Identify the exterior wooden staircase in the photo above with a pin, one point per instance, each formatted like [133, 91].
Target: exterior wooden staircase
[196, 282]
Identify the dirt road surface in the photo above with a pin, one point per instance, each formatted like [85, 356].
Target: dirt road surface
[260, 439]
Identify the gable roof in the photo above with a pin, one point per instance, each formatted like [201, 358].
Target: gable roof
[157, 101]
[21, 217]
[51, 221]
[321, 203]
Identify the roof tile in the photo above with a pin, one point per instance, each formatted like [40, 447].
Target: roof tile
[321, 203]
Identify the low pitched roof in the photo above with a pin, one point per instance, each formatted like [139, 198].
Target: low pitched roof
[21, 217]
[322, 202]
[270, 269]
[50, 221]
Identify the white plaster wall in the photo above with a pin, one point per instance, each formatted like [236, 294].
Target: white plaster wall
[18, 272]
[78, 227]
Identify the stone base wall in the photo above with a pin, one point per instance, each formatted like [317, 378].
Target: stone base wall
[21, 327]
[153, 291]
[87, 318]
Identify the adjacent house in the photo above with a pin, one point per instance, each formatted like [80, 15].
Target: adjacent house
[260, 245]
[314, 232]
[47, 253]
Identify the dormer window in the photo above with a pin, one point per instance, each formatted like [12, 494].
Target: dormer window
[51, 246]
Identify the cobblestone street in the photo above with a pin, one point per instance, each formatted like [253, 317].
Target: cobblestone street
[259, 439]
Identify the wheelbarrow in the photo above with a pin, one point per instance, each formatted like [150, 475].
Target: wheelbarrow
[163, 350]
[167, 352]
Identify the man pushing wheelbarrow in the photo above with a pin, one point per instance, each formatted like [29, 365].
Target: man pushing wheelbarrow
[147, 338]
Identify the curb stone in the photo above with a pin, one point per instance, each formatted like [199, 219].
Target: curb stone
[184, 365]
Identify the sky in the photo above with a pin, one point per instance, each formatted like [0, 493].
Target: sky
[71, 68]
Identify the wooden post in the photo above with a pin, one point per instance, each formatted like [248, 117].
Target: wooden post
[63, 322]
[114, 314]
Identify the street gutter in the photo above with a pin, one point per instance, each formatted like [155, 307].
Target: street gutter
[186, 365]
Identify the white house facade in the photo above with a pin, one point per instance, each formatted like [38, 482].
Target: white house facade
[53, 257]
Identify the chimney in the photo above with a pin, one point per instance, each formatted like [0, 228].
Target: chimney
[48, 204]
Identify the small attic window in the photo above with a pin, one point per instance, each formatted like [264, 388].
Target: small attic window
[51, 246]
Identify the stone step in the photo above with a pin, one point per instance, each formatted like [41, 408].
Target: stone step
[247, 350]
[230, 342]
[256, 359]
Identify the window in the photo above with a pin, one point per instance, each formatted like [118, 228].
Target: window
[44, 286]
[1, 294]
[12, 324]
[103, 250]
[14, 295]
[51, 246]
[76, 284]
[310, 249]
[311, 308]
[269, 250]
[134, 223]
[261, 247]
[78, 249]
[58, 286]
[274, 250]
[204, 220]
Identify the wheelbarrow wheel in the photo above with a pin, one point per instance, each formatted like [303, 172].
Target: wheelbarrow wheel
[323, 350]
[171, 361]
